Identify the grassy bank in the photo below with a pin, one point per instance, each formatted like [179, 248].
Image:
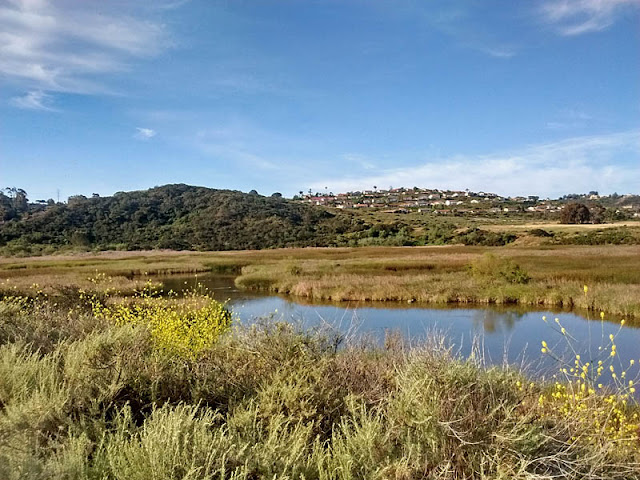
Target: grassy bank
[555, 276]
[434, 286]
[95, 392]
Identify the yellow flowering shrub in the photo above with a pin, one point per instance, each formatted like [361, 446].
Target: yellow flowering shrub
[611, 416]
[605, 409]
[182, 326]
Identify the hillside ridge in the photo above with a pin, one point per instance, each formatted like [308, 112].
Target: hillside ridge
[177, 216]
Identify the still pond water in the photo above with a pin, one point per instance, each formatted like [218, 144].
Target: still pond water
[511, 335]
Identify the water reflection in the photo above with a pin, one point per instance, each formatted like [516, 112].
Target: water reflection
[510, 334]
[493, 321]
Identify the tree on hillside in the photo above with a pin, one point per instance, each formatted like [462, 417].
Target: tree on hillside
[6, 208]
[18, 198]
[575, 213]
[13, 204]
[75, 199]
[598, 214]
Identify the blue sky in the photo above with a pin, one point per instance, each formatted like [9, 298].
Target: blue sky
[285, 95]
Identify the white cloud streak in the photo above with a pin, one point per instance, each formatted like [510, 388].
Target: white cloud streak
[504, 51]
[570, 119]
[577, 17]
[144, 133]
[34, 100]
[234, 142]
[458, 21]
[361, 160]
[173, 5]
[573, 165]
[47, 47]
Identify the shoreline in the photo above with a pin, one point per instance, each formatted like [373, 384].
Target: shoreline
[443, 275]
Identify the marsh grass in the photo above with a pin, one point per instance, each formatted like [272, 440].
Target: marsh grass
[85, 398]
[545, 276]
[438, 286]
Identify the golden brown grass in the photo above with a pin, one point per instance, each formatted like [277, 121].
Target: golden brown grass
[423, 274]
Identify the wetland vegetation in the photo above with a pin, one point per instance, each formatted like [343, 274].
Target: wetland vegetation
[536, 276]
[137, 388]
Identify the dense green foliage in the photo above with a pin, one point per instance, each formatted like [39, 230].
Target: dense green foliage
[178, 217]
[442, 234]
[488, 267]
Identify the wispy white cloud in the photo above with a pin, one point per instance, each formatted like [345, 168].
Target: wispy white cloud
[570, 119]
[34, 100]
[459, 21]
[172, 5]
[144, 133]
[573, 165]
[243, 147]
[576, 17]
[68, 47]
[501, 51]
[234, 141]
[362, 161]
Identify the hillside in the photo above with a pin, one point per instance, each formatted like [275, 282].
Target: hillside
[178, 217]
[183, 217]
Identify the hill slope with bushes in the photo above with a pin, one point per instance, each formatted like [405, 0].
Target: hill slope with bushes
[178, 217]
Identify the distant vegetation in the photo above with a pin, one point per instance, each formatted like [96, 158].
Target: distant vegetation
[489, 268]
[575, 213]
[182, 217]
[176, 217]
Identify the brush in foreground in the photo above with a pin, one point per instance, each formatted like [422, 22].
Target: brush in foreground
[88, 396]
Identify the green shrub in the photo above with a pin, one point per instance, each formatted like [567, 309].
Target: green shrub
[539, 232]
[476, 236]
[609, 236]
[440, 234]
[489, 266]
[178, 442]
